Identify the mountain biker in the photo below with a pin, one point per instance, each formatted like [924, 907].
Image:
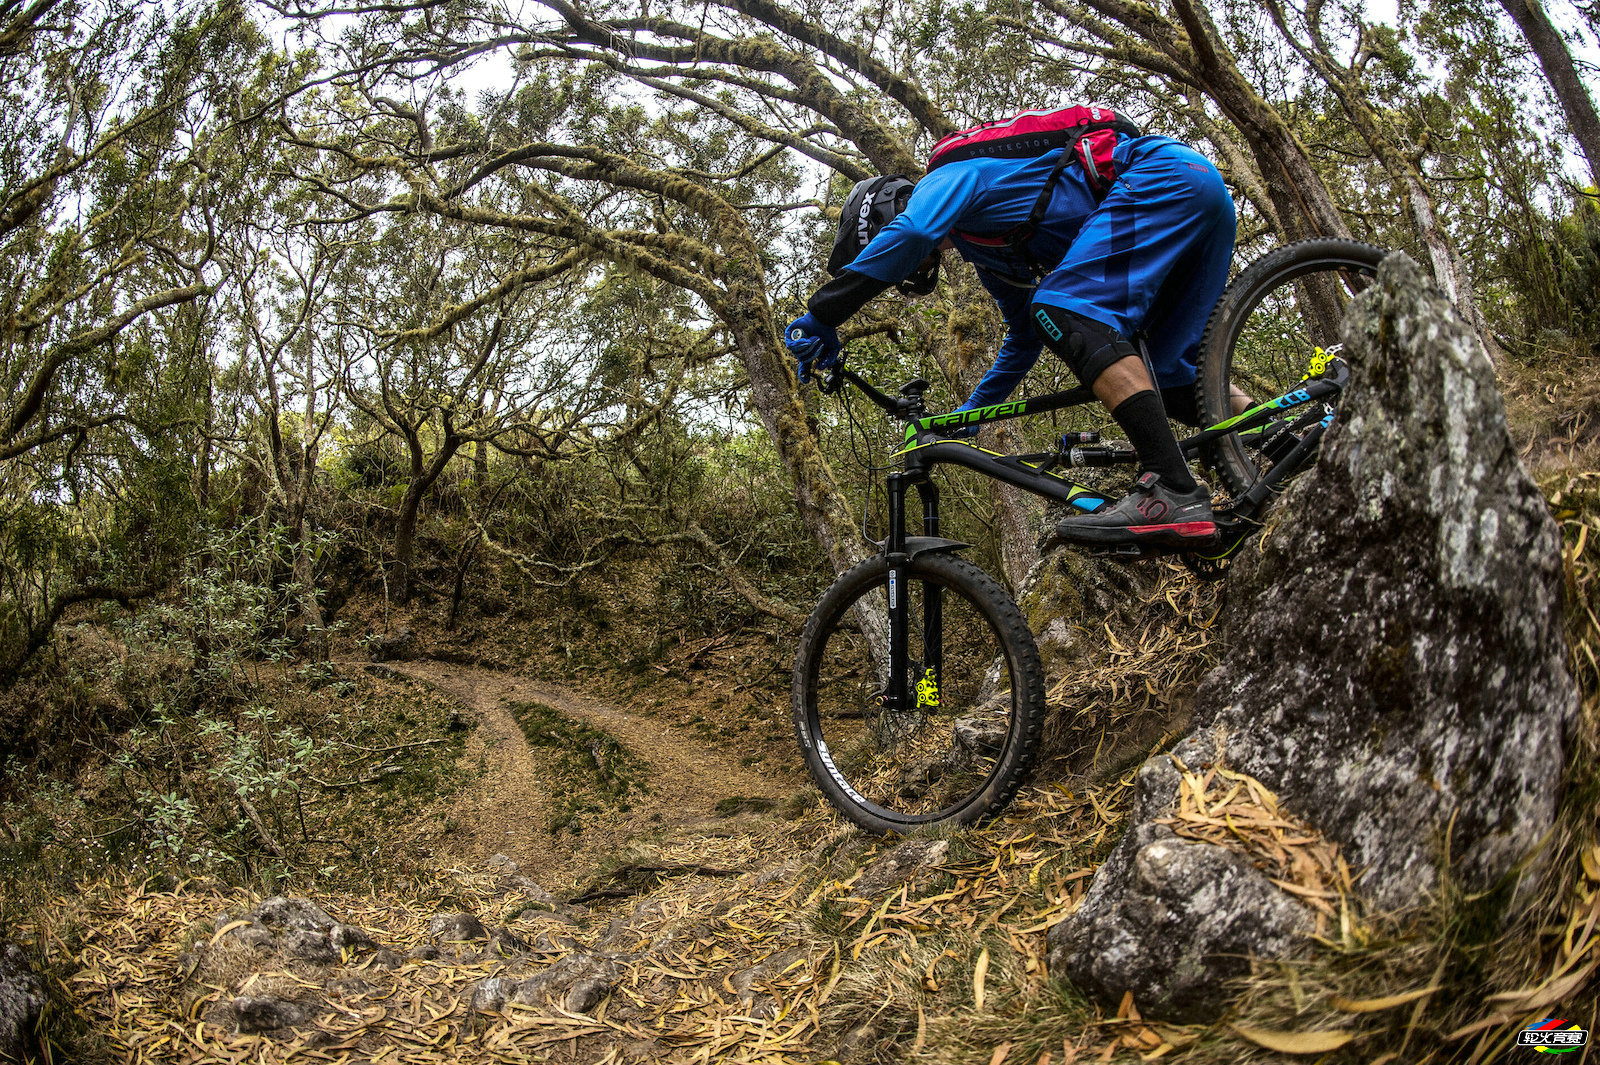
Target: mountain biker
[1151, 254]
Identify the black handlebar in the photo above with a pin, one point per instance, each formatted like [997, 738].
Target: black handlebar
[907, 406]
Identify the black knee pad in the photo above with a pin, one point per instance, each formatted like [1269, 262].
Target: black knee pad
[1085, 345]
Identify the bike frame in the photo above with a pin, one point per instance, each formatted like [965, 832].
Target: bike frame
[927, 446]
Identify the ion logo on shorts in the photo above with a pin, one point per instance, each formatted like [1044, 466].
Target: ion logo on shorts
[1553, 1036]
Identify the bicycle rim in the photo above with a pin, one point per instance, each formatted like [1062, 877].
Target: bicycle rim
[963, 745]
[1263, 336]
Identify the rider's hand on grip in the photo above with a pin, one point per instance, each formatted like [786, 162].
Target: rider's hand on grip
[814, 345]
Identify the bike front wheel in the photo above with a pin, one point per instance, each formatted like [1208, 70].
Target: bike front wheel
[966, 739]
[1264, 336]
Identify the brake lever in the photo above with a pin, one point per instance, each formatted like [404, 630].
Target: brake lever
[830, 385]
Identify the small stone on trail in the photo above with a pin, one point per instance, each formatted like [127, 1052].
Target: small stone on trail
[392, 646]
[531, 891]
[292, 915]
[456, 928]
[545, 943]
[913, 858]
[491, 995]
[310, 946]
[506, 942]
[252, 936]
[349, 937]
[578, 982]
[585, 995]
[263, 1013]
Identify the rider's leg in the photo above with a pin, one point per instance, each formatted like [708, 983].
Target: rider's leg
[1103, 359]
[1154, 256]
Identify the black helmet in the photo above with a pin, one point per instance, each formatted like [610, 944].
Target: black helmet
[871, 205]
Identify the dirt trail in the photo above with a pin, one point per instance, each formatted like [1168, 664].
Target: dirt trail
[509, 809]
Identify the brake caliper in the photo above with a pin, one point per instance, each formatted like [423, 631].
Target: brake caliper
[1320, 358]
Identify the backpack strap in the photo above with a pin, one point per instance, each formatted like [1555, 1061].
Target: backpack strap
[1080, 149]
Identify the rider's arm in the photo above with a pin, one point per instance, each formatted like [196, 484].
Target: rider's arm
[1019, 351]
[938, 201]
[843, 296]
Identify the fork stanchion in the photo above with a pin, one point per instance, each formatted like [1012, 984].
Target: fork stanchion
[894, 692]
[932, 604]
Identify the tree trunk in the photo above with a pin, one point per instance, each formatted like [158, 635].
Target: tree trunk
[404, 539]
[823, 507]
[1562, 73]
[422, 478]
[1404, 167]
[1304, 206]
[305, 580]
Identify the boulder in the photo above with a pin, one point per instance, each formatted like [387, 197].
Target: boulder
[21, 1003]
[1172, 919]
[1393, 667]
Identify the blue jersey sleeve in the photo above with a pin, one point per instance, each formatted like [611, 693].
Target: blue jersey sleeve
[1019, 351]
[937, 203]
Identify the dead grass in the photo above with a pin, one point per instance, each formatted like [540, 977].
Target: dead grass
[950, 969]
[1128, 697]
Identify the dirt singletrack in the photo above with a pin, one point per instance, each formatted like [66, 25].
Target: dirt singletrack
[508, 809]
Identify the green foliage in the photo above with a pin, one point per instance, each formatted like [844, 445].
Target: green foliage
[596, 771]
[1555, 275]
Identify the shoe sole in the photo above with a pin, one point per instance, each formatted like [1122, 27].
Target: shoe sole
[1182, 534]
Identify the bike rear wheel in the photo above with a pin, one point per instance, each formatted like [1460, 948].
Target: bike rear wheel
[968, 743]
[1262, 336]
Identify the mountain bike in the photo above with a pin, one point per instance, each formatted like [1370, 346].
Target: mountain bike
[918, 694]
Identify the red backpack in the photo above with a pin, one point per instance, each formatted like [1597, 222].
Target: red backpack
[1088, 136]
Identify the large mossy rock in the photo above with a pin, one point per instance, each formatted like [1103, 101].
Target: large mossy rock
[1393, 662]
[21, 1002]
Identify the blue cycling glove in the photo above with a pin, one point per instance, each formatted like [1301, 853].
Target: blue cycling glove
[814, 345]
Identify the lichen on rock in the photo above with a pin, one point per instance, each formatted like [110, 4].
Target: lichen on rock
[1395, 662]
[1393, 667]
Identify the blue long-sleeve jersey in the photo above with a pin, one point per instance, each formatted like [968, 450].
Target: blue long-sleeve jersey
[1168, 217]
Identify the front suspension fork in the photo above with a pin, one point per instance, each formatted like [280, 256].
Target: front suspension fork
[901, 692]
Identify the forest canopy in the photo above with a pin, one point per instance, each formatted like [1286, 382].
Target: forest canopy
[386, 289]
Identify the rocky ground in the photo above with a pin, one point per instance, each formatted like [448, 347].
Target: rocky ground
[752, 941]
[620, 886]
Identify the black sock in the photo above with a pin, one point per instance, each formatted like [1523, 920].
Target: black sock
[1143, 419]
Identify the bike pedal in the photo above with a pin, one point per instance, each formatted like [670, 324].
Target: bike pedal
[1121, 551]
